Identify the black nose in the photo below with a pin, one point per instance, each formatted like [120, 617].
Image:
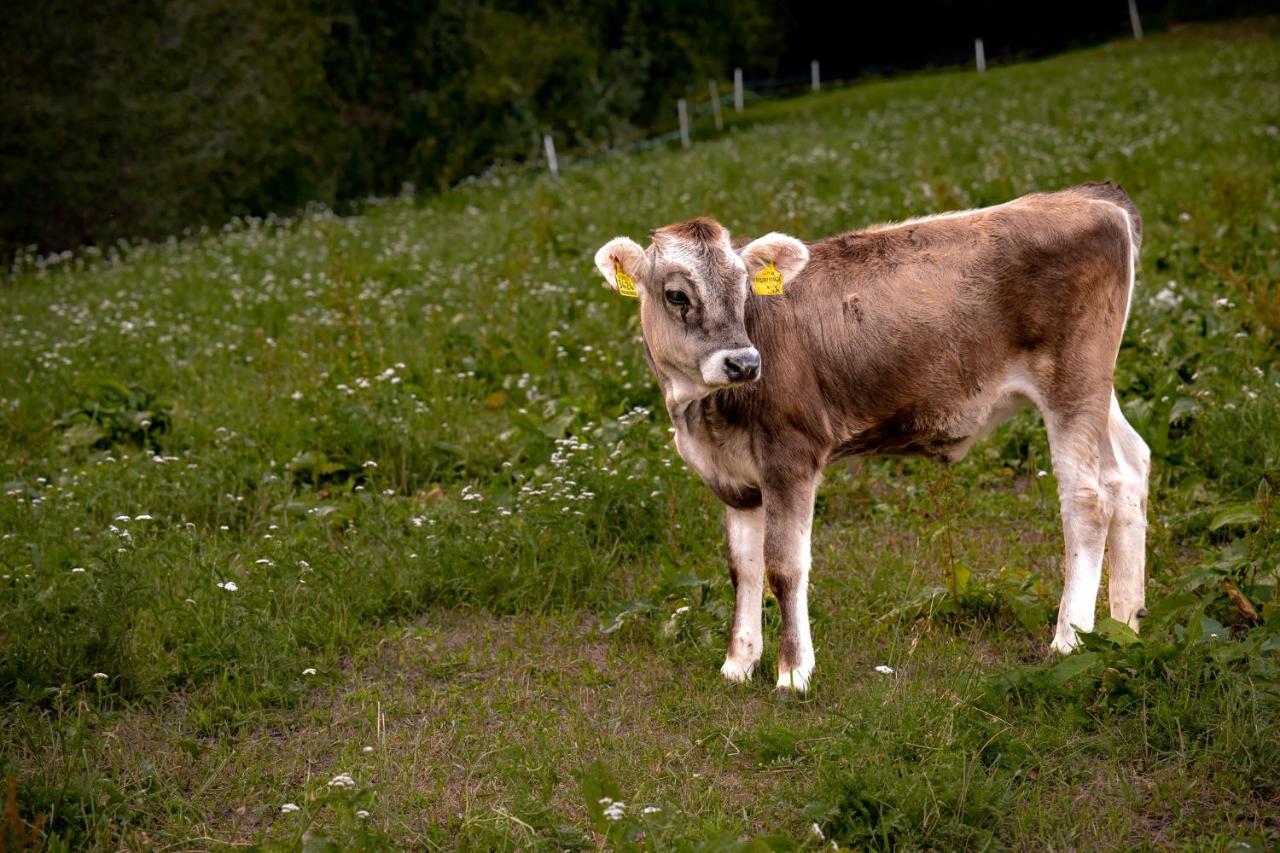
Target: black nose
[742, 366]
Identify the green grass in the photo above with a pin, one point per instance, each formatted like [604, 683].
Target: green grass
[392, 495]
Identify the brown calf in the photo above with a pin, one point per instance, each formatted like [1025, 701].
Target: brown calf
[920, 337]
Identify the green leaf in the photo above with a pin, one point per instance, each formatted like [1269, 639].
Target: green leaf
[1072, 666]
[1236, 514]
[80, 436]
[1028, 611]
[1117, 632]
[1212, 629]
[1170, 606]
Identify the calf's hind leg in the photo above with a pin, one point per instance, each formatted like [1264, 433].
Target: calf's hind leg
[1126, 465]
[745, 534]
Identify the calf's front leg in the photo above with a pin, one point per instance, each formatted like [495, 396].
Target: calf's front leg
[745, 534]
[787, 558]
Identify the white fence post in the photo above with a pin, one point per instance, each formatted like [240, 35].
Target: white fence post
[550, 146]
[980, 55]
[682, 106]
[1135, 20]
[813, 74]
[737, 90]
[714, 90]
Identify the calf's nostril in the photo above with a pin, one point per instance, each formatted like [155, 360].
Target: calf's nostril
[742, 367]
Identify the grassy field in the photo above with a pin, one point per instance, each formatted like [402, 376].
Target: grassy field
[343, 532]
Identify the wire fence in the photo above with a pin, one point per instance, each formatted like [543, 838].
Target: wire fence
[694, 109]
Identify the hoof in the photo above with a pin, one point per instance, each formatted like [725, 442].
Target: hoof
[795, 681]
[1141, 613]
[1062, 646]
[736, 672]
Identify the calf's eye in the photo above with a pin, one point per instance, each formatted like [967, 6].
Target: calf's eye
[677, 297]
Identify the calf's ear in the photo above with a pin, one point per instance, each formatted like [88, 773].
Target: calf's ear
[620, 252]
[786, 253]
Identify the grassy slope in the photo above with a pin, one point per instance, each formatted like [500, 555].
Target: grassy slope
[465, 349]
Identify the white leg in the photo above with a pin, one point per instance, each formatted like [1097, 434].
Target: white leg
[1085, 518]
[788, 557]
[745, 529]
[797, 678]
[1126, 464]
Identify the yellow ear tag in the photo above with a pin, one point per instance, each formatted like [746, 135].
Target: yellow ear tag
[768, 282]
[626, 285]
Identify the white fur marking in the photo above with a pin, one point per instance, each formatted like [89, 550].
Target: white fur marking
[712, 367]
[619, 250]
[798, 678]
[746, 545]
[1084, 520]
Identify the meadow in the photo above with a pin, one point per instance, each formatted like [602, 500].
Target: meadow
[364, 531]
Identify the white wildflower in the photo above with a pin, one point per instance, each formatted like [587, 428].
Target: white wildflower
[816, 832]
[229, 586]
[884, 670]
[289, 808]
[311, 670]
[362, 813]
[342, 780]
[101, 676]
[616, 810]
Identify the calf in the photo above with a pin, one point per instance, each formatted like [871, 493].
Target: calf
[921, 338]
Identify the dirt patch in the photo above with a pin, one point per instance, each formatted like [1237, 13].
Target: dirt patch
[460, 717]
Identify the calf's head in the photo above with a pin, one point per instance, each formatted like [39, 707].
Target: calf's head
[693, 287]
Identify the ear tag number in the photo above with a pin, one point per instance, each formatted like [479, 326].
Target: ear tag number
[626, 284]
[768, 282]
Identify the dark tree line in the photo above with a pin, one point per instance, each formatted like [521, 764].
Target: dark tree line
[141, 118]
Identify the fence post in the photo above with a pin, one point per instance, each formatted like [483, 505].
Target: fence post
[1135, 20]
[737, 90]
[813, 74]
[714, 90]
[980, 55]
[682, 106]
[549, 145]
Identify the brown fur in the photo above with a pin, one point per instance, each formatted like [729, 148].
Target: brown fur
[910, 338]
[887, 331]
